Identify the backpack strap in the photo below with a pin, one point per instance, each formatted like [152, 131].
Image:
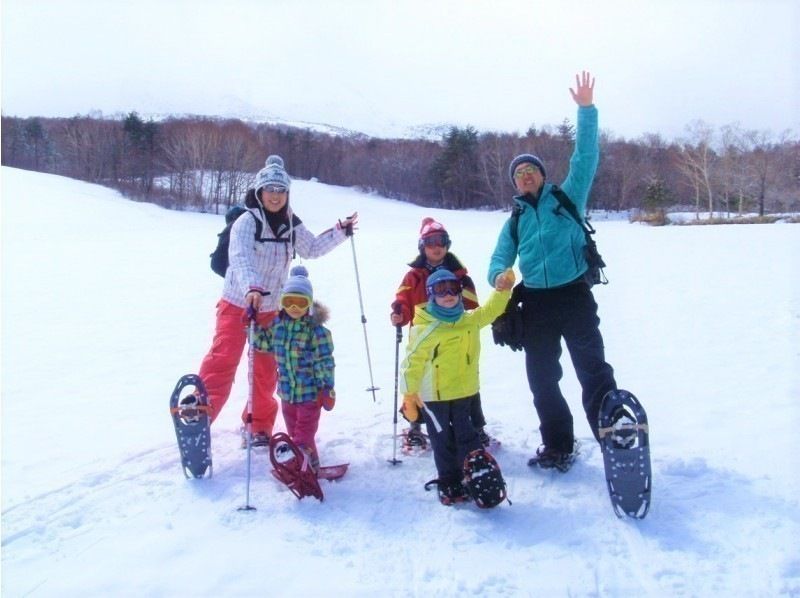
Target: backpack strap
[293, 222]
[513, 228]
[566, 203]
[259, 226]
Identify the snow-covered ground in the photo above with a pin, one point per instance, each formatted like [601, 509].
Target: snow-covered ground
[106, 302]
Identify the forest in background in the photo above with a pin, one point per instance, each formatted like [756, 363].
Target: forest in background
[206, 164]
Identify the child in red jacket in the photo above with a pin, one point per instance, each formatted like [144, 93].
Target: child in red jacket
[434, 254]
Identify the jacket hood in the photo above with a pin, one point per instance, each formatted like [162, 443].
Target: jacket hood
[319, 313]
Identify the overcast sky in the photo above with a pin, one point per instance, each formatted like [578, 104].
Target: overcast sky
[379, 66]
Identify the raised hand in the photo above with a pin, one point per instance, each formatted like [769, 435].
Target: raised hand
[348, 225]
[584, 89]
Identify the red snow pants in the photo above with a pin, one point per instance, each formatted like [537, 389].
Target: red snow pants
[302, 421]
[219, 367]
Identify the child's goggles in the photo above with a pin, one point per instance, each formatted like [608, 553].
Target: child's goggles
[437, 240]
[445, 287]
[290, 300]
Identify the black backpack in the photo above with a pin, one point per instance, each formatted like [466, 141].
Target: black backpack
[219, 257]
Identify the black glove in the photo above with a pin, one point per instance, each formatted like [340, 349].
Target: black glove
[507, 329]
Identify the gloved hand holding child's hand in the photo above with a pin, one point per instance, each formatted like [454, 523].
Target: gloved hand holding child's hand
[327, 398]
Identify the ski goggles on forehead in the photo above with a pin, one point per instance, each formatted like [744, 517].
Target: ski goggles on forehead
[437, 240]
[297, 301]
[445, 287]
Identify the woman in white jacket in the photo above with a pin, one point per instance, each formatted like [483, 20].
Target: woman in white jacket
[258, 268]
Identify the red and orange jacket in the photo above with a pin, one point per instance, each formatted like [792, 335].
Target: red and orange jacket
[412, 289]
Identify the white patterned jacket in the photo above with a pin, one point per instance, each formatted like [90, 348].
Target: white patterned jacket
[264, 265]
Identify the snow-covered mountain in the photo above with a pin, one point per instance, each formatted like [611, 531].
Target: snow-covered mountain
[106, 302]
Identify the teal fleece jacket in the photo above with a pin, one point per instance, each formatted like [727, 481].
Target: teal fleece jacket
[550, 241]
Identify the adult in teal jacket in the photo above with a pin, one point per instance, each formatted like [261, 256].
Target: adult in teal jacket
[556, 300]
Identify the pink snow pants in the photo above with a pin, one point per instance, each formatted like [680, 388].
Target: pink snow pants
[219, 367]
[302, 421]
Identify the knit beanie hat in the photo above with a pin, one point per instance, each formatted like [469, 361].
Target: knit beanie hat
[298, 283]
[273, 173]
[521, 159]
[430, 228]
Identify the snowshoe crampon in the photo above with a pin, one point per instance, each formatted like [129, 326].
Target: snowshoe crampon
[191, 417]
[625, 440]
[292, 467]
[483, 480]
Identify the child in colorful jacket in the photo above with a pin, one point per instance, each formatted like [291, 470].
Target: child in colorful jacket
[439, 375]
[303, 349]
[434, 254]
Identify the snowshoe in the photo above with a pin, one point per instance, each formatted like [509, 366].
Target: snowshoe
[415, 442]
[292, 466]
[450, 493]
[625, 441]
[190, 415]
[332, 472]
[483, 480]
[546, 458]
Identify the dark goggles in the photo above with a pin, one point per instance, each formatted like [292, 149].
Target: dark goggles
[445, 287]
[437, 240]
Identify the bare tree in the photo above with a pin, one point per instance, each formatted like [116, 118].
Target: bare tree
[697, 157]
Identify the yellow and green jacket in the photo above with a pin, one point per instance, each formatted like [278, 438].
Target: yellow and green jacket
[441, 362]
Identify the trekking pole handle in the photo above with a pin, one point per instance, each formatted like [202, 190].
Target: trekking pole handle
[396, 310]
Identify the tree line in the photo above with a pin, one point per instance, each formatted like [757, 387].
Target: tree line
[206, 164]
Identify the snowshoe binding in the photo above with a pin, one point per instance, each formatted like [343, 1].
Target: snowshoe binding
[483, 480]
[547, 458]
[191, 417]
[450, 493]
[625, 441]
[293, 467]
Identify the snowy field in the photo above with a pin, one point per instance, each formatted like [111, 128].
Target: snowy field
[106, 302]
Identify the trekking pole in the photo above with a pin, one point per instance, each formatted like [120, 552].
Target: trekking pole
[372, 388]
[399, 339]
[249, 424]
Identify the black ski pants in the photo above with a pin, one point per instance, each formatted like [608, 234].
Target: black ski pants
[453, 438]
[478, 419]
[568, 312]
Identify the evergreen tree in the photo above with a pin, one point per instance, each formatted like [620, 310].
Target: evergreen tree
[657, 197]
[140, 151]
[455, 172]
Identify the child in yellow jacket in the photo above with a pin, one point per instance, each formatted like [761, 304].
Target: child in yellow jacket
[440, 377]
